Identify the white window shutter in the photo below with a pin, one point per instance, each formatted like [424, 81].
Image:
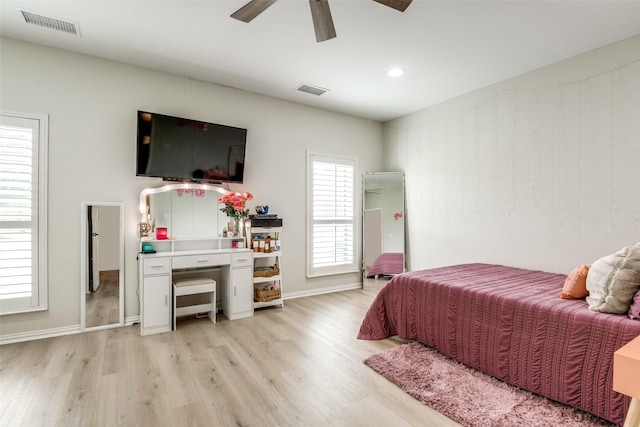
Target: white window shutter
[331, 215]
[22, 287]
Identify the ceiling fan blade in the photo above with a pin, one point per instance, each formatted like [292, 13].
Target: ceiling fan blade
[252, 9]
[322, 21]
[400, 5]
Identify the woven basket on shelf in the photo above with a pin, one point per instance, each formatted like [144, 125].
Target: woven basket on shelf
[266, 296]
[266, 271]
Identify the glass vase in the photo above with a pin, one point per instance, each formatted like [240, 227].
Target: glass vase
[236, 227]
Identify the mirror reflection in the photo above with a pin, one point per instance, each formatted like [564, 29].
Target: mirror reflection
[383, 224]
[102, 302]
[187, 211]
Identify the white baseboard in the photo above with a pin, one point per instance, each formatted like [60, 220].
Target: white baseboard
[320, 291]
[132, 320]
[36, 335]
[55, 332]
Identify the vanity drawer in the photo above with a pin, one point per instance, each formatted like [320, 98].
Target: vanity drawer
[199, 261]
[160, 265]
[244, 259]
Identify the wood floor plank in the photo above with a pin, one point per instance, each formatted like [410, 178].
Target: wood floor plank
[300, 365]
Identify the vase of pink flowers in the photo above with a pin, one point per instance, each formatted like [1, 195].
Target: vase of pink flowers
[234, 206]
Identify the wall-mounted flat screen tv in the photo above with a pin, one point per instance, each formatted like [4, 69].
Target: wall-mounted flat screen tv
[179, 149]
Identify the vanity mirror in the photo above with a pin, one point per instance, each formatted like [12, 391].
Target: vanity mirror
[383, 223]
[186, 210]
[102, 265]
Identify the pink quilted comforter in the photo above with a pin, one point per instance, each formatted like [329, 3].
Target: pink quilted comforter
[512, 324]
[387, 264]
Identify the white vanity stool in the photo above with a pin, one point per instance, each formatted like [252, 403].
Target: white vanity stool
[192, 286]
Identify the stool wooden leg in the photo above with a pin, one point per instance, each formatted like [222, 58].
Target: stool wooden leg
[633, 414]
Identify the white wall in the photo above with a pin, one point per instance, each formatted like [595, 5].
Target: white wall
[541, 171]
[92, 106]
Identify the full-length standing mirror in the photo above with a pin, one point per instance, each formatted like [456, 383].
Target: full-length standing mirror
[102, 265]
[383, 224]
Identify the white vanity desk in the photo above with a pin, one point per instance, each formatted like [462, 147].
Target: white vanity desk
[155, 272]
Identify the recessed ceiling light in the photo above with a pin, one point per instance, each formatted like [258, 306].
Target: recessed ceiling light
[395, 72]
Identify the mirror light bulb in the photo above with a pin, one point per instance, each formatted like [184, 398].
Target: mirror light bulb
[395, 72]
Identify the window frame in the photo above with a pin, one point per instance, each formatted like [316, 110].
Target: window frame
[351, 267]
[39, 284]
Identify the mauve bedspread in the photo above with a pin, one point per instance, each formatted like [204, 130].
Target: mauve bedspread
[388, 263]
[512, 324]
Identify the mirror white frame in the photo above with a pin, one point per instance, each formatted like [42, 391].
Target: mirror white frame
[144, 215]
[84, 236]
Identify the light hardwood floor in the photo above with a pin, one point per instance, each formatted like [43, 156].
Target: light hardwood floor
[102, 306]
[300, 365]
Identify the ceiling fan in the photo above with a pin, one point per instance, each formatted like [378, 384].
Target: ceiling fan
[322, 21]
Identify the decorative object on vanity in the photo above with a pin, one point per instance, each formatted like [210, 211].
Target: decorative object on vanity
[236, 209]
[161, 233]
[147, 225]
[147, 248]
[468, 396]
[196, 193]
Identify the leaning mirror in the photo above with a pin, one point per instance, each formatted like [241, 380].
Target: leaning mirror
[383, 224]
[102, 265]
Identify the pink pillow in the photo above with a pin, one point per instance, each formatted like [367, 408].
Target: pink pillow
[575, 286]
[634, 310]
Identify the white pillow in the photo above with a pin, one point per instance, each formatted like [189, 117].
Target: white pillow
[613, 280]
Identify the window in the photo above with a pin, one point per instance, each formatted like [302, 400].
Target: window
[330, 211]
[23, 196]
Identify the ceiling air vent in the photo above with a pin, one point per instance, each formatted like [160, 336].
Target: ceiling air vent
[313, 90]
[51, 22]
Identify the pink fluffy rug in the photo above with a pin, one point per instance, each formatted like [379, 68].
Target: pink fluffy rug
[469, 396]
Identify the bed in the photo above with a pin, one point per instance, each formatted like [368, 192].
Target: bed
[387, 264]
[509, 323]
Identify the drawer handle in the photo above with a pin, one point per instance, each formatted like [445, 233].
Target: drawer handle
[242, 260]
[157, 266]
[202, 260]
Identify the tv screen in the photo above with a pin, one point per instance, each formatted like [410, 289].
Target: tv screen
[179, 149]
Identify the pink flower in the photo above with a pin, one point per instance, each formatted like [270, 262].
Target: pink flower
[235, 204]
